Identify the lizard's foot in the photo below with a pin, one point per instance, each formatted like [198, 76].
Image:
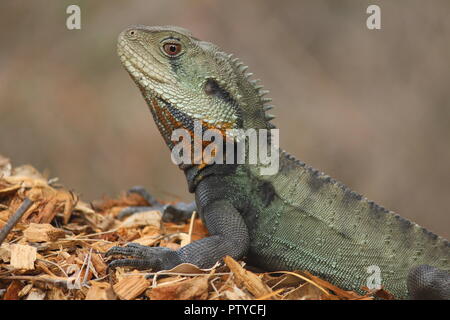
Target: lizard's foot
[428, 283]
[177, 212]
[155, 258]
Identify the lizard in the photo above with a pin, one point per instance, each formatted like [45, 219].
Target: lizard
[296, 219]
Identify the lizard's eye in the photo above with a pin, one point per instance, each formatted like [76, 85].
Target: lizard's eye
[172, 49]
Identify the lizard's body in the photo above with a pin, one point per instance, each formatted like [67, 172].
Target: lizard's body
[295, 219]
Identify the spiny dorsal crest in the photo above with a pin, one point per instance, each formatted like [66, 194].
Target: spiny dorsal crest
[241, 68]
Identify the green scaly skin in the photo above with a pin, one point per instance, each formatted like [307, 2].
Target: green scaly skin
[296, 219]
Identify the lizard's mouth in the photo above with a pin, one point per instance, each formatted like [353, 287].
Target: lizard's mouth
[143, 73]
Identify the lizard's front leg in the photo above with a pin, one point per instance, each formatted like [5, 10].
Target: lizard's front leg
[229, 236]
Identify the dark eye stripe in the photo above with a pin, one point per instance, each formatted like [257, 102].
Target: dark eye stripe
[213, 88]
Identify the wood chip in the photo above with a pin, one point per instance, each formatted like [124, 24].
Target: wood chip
[23, 256]
[249, 280]
[5, 252]
[65, 262]
[10, 189]
[129, 287]
[325, 284]
[305, 292]
[102, 246]
[28, 172]
[236, 294]
[100, 291]
[43, 232]
[25, 290]
[146, 218]
[191, 289]
[36, 294]
[147, 240]
[55, 293]
[5, 167]
[49, 211]
[98, 263]
[185, 239]
[12, 292]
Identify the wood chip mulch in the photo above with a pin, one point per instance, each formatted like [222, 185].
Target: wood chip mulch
[56, 252]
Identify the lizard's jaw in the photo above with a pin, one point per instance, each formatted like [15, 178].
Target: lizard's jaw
[148, 73]
[143, 76]
[149, 78]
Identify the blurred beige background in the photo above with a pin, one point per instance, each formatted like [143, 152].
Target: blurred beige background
[370, 108]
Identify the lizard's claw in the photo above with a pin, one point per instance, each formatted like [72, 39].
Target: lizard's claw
[155, 258]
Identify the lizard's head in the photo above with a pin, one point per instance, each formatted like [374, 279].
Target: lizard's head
[184, 79]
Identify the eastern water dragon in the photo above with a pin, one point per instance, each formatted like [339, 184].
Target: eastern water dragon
[298, 218]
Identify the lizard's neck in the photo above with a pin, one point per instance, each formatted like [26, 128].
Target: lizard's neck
[196, 173]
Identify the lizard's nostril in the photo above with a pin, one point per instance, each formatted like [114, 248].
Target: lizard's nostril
[131, 33]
